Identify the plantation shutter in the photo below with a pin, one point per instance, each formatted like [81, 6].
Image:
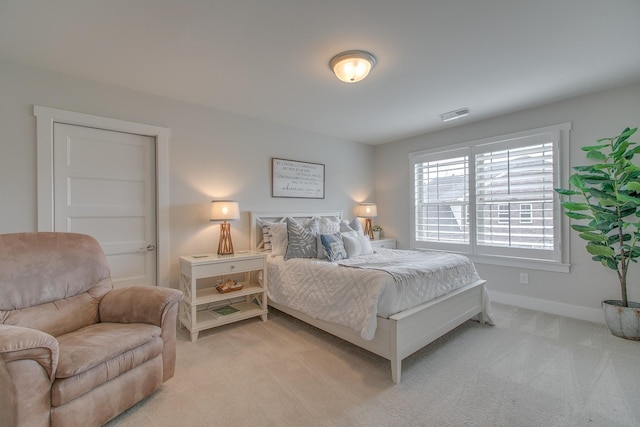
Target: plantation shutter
[514, 195]
[493, 199]
[441, 196]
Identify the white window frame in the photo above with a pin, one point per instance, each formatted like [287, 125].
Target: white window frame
[501, 212]
[559, 259]
[528, 211]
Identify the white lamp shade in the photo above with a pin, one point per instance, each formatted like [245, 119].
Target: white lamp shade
[224, 210]
[352, 66]
[367, 210]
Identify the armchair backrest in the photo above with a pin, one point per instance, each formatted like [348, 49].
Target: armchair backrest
[51, 281]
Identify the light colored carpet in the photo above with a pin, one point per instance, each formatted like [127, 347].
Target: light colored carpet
[531, 369]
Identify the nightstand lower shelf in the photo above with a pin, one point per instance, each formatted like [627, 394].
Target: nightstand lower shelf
[206, 319]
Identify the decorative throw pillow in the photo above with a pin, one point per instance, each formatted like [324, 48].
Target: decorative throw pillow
[333, 246]
[356, 245]
[302, 240]
[266, 236]
[327, 225]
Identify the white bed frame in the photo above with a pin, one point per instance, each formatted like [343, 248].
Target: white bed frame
[403, 333]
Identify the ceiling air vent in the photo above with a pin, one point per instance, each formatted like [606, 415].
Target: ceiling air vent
[456, 114]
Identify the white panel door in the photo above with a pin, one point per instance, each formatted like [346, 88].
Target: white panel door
[104, 186]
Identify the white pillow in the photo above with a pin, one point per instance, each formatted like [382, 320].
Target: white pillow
[344, 226]
[349, 234]
[366, 245]
[352, 245]
[357, 226]
[279, 238]
[356, 245]
[354, 225]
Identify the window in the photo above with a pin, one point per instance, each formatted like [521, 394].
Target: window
[491, 198]
[441, 215]
[503, 214]
[525, 213]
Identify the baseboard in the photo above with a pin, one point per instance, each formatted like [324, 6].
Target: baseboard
[546, 306]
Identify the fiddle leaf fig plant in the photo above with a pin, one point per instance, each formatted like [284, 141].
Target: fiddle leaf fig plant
[610, 204]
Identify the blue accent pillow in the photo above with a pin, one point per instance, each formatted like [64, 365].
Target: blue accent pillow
[333, 246]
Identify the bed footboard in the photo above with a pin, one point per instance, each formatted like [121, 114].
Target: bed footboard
[407, 332]
[415, 328]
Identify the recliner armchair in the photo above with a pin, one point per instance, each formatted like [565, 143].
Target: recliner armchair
[73, 350]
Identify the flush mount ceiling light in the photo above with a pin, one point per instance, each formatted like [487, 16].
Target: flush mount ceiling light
[453, 115]
[353, 65]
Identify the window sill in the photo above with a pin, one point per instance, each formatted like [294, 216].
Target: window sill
[532, 264]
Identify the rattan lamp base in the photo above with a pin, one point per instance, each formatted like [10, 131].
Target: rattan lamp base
[225, 245]
[368, 230]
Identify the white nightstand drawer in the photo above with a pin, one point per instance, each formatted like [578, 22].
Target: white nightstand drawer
[384, 243]
[229, 267]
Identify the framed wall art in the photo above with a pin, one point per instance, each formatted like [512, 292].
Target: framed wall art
[292, 178]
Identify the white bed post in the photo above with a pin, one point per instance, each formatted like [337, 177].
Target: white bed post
[395, 358]
[483, 296]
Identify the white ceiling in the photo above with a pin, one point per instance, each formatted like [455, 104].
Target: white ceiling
[268, 59]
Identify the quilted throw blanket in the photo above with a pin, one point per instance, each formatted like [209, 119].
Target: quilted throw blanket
[420, 266]
[356, 291]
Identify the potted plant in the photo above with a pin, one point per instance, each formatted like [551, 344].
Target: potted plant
[610, 216]
[377, 230]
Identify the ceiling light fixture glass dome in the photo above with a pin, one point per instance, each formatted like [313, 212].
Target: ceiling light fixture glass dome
[353, 65]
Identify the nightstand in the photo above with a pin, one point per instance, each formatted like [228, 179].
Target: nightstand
[203, 307]
[384, 243]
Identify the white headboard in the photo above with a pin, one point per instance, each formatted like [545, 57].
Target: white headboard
[271, 216]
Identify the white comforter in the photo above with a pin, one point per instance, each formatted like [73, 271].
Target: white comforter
[354, 297]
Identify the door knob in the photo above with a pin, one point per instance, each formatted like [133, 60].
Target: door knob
[151, 247]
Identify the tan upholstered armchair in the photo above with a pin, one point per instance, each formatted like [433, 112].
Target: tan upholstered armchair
[74, 351]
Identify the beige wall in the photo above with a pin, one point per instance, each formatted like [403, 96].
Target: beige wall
[212, 154]
[594, 116]
[215, 154]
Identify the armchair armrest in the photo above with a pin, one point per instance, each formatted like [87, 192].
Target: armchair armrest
[138, 304]
[28, 363]
[143, 304]
[20, 343]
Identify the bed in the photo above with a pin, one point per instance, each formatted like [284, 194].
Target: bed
[395, 330]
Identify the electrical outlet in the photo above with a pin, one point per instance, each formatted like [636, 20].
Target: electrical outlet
[524, 278]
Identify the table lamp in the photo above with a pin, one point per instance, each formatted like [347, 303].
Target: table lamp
[223, 210]
[367, 211]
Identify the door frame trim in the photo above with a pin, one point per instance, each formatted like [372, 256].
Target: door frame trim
[45, 119]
